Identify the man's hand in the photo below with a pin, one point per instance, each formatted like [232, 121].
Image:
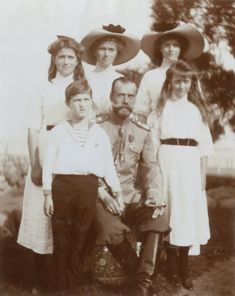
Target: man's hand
[119, 199]
[48, 205]
[151, 202]
[155, 203]
[158, 212]
[113, 205]
[36, 175]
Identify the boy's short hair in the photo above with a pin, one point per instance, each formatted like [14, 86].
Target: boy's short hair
[77, 87]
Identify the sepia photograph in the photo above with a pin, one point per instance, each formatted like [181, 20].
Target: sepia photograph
[117, 148]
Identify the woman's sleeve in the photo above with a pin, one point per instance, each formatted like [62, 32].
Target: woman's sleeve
[206, 146]
[110, 174]
[143, 100]
[49, 158]
[35, 114]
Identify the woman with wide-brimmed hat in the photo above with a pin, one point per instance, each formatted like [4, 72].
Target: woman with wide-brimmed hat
[170, 42]
[105, 48]
[46, 109]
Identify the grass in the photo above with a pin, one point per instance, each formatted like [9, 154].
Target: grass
[212, 272]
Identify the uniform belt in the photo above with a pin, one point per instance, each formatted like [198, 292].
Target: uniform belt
[50, 127]
[181, 142]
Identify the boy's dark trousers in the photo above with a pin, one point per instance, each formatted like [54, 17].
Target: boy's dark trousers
[74, 200]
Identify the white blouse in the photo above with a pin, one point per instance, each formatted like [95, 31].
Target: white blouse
[149, 91]
[48, 104]
[64, 155]
[101, 83]
[182, 119]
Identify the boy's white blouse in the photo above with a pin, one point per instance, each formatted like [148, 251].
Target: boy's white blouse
[182, 119]
[64, 155]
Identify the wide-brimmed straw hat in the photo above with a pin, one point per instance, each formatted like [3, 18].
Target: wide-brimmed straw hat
[131, 43]
[195, 41]
[65, 41]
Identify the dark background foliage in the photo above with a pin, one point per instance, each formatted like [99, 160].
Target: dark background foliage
[216, 20]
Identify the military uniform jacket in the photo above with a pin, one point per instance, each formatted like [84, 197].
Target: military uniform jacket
[134, 157]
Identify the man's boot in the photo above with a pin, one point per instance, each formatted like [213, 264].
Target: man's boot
[147, 261]
[125, 255]
[173, 266]
[184, 269]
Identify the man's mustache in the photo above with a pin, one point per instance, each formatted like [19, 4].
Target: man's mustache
[121, 106]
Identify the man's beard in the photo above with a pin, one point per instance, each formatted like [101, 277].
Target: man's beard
[118, 109]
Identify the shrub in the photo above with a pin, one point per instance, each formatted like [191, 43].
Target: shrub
[13, 171]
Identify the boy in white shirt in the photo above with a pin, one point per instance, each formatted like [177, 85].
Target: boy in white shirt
[78, 153]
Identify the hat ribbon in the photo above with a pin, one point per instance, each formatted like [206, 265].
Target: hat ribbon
[163, 26]
[114, 29]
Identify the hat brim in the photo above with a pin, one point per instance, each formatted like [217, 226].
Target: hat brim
[194, 38]
[131, 46]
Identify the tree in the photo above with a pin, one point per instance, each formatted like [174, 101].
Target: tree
[215, 18]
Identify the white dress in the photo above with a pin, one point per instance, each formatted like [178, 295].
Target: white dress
[181, 173]
[149, 90]
[47, 108]
[101, 83]
[148, 95]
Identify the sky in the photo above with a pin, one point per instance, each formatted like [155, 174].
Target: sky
[27, 27]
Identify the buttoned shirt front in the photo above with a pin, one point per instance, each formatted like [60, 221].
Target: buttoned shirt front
[134, 157]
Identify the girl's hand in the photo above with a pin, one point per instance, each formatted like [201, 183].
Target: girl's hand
[48, 205]
[36, 175]
[203, 172]
[203, 182]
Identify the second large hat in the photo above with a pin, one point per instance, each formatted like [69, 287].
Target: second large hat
[131, 43]
[195, 41]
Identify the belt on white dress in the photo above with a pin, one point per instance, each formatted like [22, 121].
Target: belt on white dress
[178, 141]
[49, 127]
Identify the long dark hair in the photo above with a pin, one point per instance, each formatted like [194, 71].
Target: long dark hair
[56, 46]
[195, 95]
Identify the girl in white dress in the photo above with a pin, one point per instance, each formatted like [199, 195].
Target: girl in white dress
[107, 47]
[47, 109]
[185, 144]
[168, 43]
